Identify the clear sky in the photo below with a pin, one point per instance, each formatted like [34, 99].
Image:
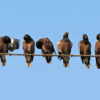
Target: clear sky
[49, 18]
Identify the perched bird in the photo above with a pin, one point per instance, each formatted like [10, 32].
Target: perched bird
[6, 45]
[46, 47]
[29, 48]
[97, 51]
[85, 49]
[64, 47]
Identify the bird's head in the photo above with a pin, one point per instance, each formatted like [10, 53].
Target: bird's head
[27, 38]
[6, 39]
[39, 44]
[65, 35]
[85, 37]
[98, 36]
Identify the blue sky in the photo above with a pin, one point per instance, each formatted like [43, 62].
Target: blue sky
[49, 18]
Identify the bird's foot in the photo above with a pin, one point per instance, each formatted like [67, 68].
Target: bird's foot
[66, 65]
[3, 63]
[28, 64]
[88, 66]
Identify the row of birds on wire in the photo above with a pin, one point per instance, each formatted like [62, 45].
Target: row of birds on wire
[64, 47]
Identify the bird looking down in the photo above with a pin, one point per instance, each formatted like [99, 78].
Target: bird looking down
[46, 47]
[5, 46]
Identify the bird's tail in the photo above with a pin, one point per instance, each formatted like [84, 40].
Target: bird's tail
[29, 59]
[48, 59]
[87, 62]
[66, 61]
[82, 58]
[3, 60]
[98, 62]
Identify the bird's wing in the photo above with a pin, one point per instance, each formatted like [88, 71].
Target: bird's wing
[59, 47]
[51, 45]
[71, 44]
[80, 47]
[13, 45]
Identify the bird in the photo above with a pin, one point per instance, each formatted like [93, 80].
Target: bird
[64, 47]
[46, 47]
[85, 49]
[29, 48]
[6, 45]
[97, 51]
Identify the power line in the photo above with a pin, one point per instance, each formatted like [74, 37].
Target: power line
[63, 55]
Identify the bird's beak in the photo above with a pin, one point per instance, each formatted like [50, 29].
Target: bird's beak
[66, 33]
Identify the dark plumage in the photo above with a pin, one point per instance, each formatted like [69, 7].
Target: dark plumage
[46, 47]
[64, 47]
[5, 46]
[97, 51]
[13, 45]
[85, 49]
[4, 41]
[29, 48]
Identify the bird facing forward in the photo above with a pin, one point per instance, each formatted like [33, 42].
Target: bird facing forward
[64, 47]
[29, 48]
[85, 49]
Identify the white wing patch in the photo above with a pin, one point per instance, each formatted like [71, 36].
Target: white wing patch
[13, 45]
[59, 47]
[12, 40]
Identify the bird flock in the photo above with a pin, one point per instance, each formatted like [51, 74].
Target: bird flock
[64, 47]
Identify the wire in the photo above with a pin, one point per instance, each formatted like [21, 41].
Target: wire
[63, 55]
